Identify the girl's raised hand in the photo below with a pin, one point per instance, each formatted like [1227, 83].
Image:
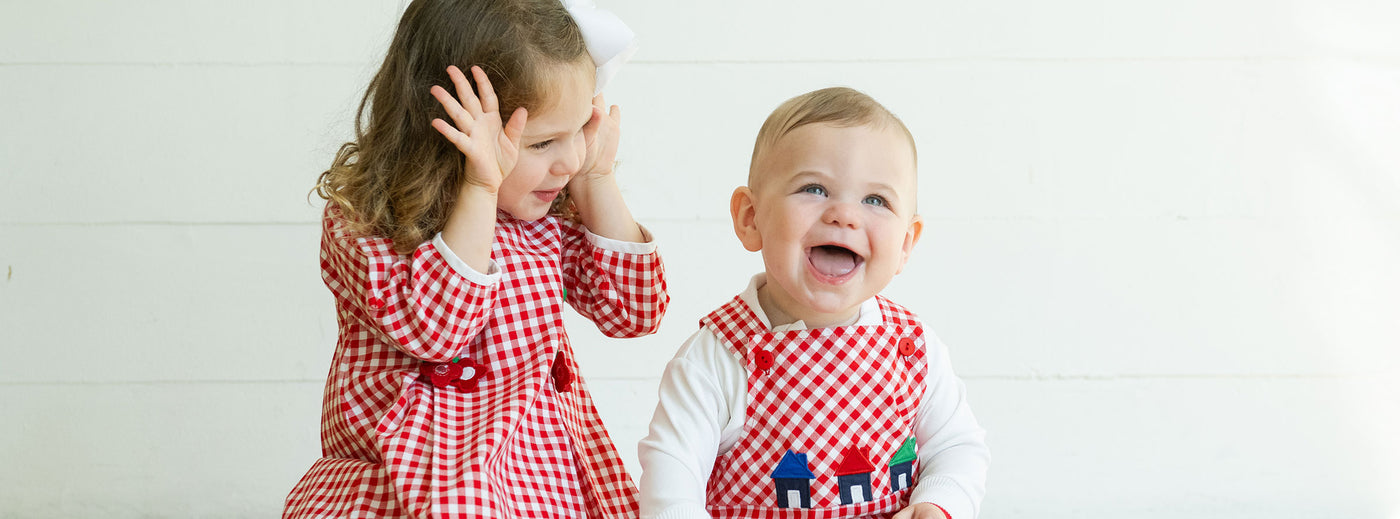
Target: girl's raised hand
[491, 150]
[600, 136]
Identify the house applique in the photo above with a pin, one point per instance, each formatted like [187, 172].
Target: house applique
[902, 466]
[853, 475]
[792, 481]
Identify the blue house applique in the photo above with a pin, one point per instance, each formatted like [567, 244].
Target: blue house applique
[792, 481]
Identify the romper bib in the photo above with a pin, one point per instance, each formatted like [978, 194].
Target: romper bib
[829, 424]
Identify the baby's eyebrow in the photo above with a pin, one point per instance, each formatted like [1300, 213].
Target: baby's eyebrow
[881, 186]
[885, 189]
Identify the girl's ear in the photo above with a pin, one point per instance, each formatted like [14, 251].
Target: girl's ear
[911, 237]
[742, 211]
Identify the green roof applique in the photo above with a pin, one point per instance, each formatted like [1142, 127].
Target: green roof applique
[905, 453]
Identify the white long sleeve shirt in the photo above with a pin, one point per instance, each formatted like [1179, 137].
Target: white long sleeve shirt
[702, 408]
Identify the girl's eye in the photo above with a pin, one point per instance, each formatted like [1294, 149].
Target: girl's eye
[542, 145]
[813, 189]
[876, 200]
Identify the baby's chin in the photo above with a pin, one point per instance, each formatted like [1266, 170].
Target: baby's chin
[835, 303]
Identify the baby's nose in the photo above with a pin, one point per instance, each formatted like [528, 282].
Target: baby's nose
[842, 214]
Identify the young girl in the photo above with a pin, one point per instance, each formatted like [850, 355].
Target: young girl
[450, 248]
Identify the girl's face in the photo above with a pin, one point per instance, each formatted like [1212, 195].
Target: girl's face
[552, 147]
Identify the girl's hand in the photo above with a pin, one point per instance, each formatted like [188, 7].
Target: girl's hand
[921, 511]
[491, 150]
[594, 189]
[600, 138]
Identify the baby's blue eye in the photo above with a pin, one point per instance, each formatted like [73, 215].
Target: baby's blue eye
[876, 200]
[541, 145]
[814, 189]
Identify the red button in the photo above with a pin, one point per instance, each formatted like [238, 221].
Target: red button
[763, 359]
[376, 303]
[907, 347]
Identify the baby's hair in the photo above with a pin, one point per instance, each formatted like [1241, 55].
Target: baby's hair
[837, 106]
[399, 178]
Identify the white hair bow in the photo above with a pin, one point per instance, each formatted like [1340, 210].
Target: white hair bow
[610, 42]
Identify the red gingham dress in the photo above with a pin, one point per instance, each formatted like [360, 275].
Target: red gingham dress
[823, 392]
[527, 440]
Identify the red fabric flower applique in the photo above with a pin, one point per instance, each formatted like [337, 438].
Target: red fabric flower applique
[460, 374]
[563, 376]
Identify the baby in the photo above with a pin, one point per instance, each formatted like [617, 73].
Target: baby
[809, 395]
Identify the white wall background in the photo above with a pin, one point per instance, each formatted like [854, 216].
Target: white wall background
[1163, 237]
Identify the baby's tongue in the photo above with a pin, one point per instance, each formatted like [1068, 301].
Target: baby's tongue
[832, 261]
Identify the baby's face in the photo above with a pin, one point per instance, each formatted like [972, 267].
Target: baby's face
[832, 211]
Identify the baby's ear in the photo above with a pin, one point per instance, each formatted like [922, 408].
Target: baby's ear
[911, 237]
[742, 211]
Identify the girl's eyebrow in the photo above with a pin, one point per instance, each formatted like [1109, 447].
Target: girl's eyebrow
[541, 137]
[555, 135]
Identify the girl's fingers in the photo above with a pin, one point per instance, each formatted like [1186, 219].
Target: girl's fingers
[515, 127]
[454, 109]
[590, 129]
[483, 85]
[458, 139]
[464, 91]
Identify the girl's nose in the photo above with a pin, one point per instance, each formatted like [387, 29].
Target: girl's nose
[570, 157]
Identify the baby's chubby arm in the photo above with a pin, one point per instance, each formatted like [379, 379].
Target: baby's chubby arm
[699, 391]
[953, 455]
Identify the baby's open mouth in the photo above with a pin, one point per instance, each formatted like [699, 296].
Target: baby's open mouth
[833, 260]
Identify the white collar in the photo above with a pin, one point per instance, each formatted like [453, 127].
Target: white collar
[869, 313]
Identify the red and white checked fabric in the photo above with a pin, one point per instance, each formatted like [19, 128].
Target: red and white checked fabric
[827, 390]
[515, 446]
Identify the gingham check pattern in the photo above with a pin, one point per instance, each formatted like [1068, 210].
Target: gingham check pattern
[395, 446]
[828, 389]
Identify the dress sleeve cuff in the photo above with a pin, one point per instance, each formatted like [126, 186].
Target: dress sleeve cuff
[493, 272]
[647, 246]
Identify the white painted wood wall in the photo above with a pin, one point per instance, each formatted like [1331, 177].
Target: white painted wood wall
[1163, 241]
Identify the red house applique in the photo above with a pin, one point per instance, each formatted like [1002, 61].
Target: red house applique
[853, 475]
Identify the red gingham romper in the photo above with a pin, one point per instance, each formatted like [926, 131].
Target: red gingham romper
[826, 394]
[526, 441]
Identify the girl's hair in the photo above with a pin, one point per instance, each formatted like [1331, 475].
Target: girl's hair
[399, 178]
[838, 106]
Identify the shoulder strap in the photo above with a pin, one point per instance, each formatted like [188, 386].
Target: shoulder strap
[895, 313]
[733, 324]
